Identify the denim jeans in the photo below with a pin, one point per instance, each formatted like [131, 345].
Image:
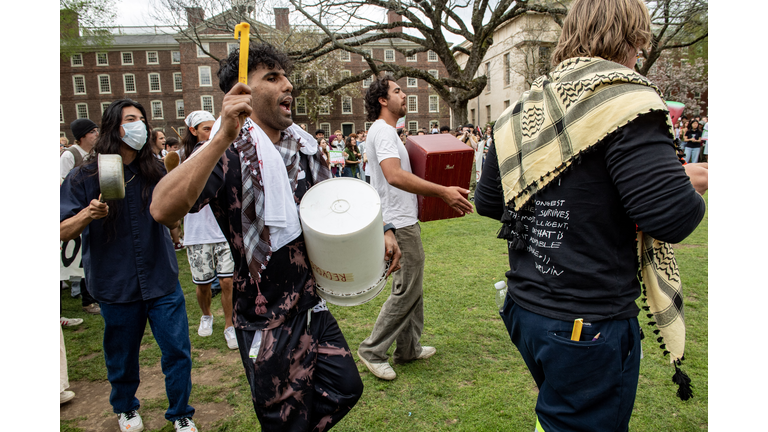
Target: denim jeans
[124, 325]
[692, 154]
[586, 385]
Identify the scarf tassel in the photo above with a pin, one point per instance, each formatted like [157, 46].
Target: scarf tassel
[685, 389]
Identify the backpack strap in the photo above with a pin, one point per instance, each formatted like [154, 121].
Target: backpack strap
[76, 154]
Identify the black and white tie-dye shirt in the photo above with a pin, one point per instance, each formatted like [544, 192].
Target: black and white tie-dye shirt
[287, 283]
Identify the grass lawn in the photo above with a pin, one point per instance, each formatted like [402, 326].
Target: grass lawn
[477, 380]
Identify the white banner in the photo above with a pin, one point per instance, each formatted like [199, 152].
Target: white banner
[70, 259]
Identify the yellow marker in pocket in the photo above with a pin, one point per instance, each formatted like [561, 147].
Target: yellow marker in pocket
[242, 32]
[576, 333]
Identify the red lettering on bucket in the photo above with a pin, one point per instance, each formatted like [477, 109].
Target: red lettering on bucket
[331, 276]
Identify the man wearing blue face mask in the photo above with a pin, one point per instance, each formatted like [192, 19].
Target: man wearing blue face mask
[130, 266]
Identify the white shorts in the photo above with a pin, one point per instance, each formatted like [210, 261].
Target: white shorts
[206, 261]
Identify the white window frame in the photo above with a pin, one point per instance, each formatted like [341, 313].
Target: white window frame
[122, 58]
[435, 73]
[368, 125]
[301, 105]
[387, 52]
[74, 85]
[412, 58]
[152, 105]
[346, 100]
[324, 106]
[104, 106]
[125, 84]
[157, 58]
[180, 83]
[432, 124]
[412, 82]
[432, 56]
[231, 46]
[77, 109]
[434, 100]
[413, 125]
[296, 78]
[61, 113]
[346, 74]
[326, 127]
[506, 104]
[415, 100]
[202, 103]
[159, 87]
[206, 46]
[77, 63]
[109, 84]
[182, 115]
[322, 78]
[345, 56]
[172, 55]
[368, 81]
[200, 70]
[106, 59]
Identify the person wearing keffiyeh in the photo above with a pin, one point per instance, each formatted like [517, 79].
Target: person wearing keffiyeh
[253, 172]
[579, 165]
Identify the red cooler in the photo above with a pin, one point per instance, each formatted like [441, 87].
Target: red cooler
[441, 159]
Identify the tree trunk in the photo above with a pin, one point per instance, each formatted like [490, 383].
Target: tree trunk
[460, 111]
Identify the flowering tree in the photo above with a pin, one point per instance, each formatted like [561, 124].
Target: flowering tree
[680, 80]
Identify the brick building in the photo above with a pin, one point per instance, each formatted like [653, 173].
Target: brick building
[171, 76]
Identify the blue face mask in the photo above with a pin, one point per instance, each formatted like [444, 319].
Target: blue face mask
[135, 134]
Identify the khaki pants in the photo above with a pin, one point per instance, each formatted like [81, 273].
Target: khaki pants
[63, 376]
[401, 319]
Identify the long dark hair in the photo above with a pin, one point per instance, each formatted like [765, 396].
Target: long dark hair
[189, 141]
[110, 142]
[379, 88]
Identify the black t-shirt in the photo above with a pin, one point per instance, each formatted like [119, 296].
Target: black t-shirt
[693, 134]
[580, 259]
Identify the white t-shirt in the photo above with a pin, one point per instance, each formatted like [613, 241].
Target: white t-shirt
[398, 207]
[67, 161]
[202, 228]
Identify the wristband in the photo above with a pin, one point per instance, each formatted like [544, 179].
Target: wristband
[388, 227]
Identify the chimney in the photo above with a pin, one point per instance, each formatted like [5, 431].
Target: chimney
[281, 20]
[70, 27]
[393, 16]
[195, 15]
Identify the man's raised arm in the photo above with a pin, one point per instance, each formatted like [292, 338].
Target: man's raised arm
[175, 194]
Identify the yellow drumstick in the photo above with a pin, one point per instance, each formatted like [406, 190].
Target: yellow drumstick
[576, 333]
[242, 32]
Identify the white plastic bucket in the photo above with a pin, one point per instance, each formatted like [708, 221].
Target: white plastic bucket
[343, 232]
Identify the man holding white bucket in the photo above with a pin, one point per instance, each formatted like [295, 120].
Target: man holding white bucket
[299, 367]
[401, 318]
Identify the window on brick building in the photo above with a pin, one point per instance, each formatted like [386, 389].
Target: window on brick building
[413, 127]
[127, 58]
[389, 56]
[434, 103]
[207, 103]
[412, 82]
[324, 106]
[177, 82]
[296, 78]
[322, 78]
[79, 84]
[413, 104]
[82, 110]
[431, 56]
[175, 57]
[76, 60]
[154, 82]
[301, 106]
[345, 56]
[180, 109]
[206, 47]
[368, 81]
[102, 59]
[346, 104]
[129, 83]
[152, 57]
[104, 84]
[204, 73]
[368, 125]
[104, 106]
[157, 109]
[346, 74]
[231, 47]
[411, 58]
[327, 128]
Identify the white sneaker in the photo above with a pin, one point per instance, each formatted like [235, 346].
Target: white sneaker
[426, 352]
[380, 370]
[229, 336]
[70, 322]
[66, 396]
[130, 422]
[185, 425]
[206, 325]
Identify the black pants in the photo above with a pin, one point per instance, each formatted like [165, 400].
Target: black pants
[85, 295]
[301, 380]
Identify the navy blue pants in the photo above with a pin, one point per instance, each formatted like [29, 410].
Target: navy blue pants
[124, 325]
[585, 385]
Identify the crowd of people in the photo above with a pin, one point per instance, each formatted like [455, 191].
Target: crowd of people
[692, 136]
[235, 184]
